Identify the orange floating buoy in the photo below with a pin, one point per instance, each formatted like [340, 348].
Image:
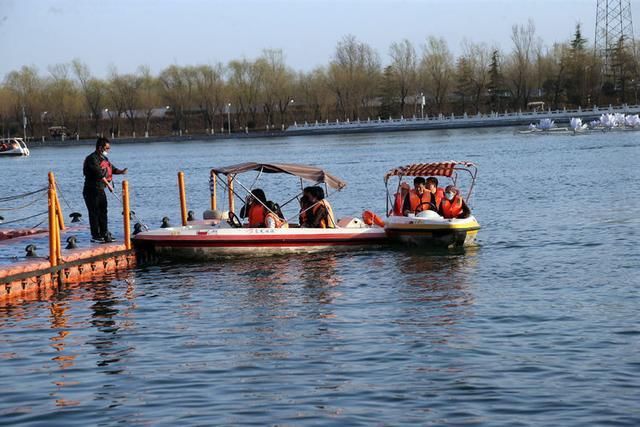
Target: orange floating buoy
[370, 218]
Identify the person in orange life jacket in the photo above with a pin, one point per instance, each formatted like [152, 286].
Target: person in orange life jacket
[98, 172]
[419, 198]
[321, 211]
[399, 199]
[261, 213]
[254, 208]
[452, 205]
[437, 194]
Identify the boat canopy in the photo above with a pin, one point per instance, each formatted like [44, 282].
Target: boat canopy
[432, 169]
[303, 171]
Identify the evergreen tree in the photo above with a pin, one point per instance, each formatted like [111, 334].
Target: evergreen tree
[495, 80]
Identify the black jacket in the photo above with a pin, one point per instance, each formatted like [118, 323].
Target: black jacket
[93, 173]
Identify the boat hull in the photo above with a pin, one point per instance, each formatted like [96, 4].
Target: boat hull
[193, 243]
[432, 233]
[14, 153]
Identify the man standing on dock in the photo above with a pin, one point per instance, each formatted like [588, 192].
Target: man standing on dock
[98, 171]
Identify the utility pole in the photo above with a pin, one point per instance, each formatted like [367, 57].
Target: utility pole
[614, 29]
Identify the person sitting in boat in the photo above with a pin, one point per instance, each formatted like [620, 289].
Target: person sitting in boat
[419, 198]
[260, 212]
[274, 217]
[305, 217]
[321, 211]
[453, 206]
[436, 193]
[399, 199]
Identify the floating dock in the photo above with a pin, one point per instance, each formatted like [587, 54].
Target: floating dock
[38, 277]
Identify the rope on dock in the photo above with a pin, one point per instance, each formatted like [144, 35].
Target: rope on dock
[26, 218]
[20, 196]
[61, 192]
[22, 207]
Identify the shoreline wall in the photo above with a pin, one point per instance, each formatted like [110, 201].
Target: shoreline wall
[375, 126]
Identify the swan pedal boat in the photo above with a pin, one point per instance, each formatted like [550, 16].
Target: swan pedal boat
[219, 238]
[13, 147]
[427, 228]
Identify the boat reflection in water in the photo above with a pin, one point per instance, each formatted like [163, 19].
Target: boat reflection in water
[439, 284]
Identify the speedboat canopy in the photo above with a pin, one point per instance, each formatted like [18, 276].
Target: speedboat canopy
[302, 171]
[432, 169]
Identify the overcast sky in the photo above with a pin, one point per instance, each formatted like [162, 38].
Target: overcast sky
[129, 33]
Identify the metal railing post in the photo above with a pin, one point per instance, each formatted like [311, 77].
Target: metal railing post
[52, 183]
[214, 191]
[125, 214]
[230, 187]
[183, 198]
[53, 226]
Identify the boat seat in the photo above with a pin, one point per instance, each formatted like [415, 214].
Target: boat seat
[351, 222]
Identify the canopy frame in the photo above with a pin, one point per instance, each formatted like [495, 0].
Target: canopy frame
[304, 172]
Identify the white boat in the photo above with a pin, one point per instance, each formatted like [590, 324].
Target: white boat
[215, 238]
[427, 228]
[13, 147]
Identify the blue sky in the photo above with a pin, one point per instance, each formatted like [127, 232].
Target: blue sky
[129, 33]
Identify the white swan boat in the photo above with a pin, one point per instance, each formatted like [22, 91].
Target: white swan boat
[13, 147]
[222, 234]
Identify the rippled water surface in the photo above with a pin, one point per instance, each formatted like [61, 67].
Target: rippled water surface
[538, 325]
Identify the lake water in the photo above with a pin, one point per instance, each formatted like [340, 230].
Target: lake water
[538, 325]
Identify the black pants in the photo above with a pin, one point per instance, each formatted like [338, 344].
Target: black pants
[96, 201]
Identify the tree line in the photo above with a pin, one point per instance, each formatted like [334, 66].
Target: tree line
[265, 93]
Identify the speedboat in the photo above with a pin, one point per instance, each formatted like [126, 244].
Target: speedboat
[427, 228]
[222, 234]
[13, 147]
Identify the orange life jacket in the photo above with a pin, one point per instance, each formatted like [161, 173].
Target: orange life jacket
[370, 218]
[329, 221]
[419, 203]
[105, 164]
[397, 204]
[439, 197]
[453, 208]
[257, 215]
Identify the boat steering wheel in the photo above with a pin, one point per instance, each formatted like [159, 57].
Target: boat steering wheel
[234, 221]
[418, 209]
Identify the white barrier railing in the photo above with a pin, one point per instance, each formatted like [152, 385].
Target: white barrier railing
[492, 116]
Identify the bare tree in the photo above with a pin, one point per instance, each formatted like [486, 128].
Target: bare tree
[93, 91]
[209, 91]
[277, 87]
[519, 69]
[149, 96]
[318, 100]
[177, 89]
[478, 59]
[245, 81]
[403, 70]
[353, 75]
[124, 92]
[436, 70]
[26, 86]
